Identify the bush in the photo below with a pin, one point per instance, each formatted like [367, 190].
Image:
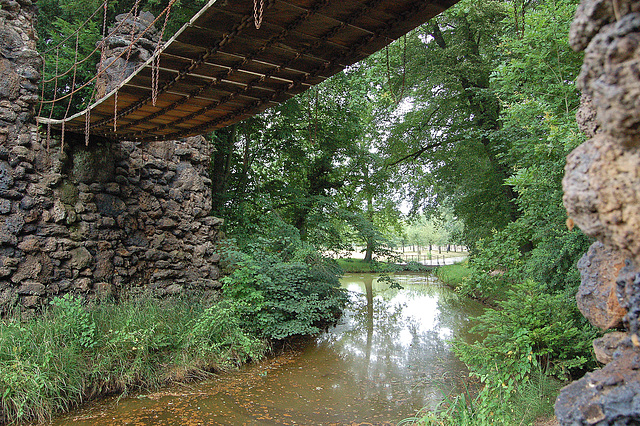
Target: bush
[217, 330]
[528, 328]
[279, 298]
[529, 338]
[531, 401]
[282, 286]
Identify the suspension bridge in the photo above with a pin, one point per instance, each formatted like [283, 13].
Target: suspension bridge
[234, 59]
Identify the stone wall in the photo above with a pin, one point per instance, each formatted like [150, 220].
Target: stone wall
[602, 197]
[101, 220]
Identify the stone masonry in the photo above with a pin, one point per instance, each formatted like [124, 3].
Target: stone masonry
[102, 220]
[602, 197]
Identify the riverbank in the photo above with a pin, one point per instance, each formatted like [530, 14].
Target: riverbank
[387, 350]
[453, 275]
[74, 353]
[354, 265]
[531, 395]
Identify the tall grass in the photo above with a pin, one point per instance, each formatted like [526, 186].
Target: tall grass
[358, 265]
[73, 352]
[530, 401]
[454, 275]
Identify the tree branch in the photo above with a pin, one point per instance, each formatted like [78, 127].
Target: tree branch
[416, 154]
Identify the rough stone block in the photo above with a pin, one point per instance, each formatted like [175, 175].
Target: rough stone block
[5, 206]
[605, 346]
[80, 258]
[601, 178]
[31, 288]
[604, 397]
[611, 63]
[596, 297]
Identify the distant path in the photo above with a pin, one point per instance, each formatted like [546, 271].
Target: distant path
[441, 261]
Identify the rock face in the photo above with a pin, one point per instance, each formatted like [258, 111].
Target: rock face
[121, 56]
[597, 296]
[602, 196]
[102, 220]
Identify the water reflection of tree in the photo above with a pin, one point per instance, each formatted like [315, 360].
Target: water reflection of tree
[395, 358]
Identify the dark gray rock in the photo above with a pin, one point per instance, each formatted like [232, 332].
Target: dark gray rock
[5, 206]
[604, 397]
[109, 205]
[6, 176]
[31, 288]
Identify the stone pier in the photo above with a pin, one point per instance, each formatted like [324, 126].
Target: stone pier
[103, 220]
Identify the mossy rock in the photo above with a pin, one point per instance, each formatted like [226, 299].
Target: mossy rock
[95, 163]
[68, 193]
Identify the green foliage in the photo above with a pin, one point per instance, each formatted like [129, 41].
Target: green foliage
[218, 330]
[453, 275]
[531, 401]
[75, 352]
[527, 329]
[423, 231]
[281, 286]
[76, 323]
[529, 341]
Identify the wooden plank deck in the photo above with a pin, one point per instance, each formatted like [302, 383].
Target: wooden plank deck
[218, 70]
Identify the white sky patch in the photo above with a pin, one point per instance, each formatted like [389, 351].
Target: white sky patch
[404, 106]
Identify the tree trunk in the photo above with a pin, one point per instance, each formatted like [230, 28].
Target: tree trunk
[368, 254]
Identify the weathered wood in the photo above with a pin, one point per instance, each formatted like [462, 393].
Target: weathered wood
[205, 86]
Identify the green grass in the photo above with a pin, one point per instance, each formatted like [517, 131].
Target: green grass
[454, 275]
[360, 266]
[533, 400]
[74, 353]
[357, 265]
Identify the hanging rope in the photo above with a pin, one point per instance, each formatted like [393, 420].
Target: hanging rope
[42, 97]
[62, 137]
[87, 122]
[257, 13]
[55, 90]
[115, 111]
[155, 65]
[103, 42]
[73, 83]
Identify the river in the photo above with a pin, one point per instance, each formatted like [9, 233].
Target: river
[388, 357]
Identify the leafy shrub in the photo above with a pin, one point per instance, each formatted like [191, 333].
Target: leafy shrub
[75, 323]
[530, 334]
[532, 400]
[282, 286]
[217, 330]
[278, 299]
[528, 328]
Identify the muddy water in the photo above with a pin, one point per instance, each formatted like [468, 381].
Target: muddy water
[387, 358]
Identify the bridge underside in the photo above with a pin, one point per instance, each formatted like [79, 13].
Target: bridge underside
[219, 69]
